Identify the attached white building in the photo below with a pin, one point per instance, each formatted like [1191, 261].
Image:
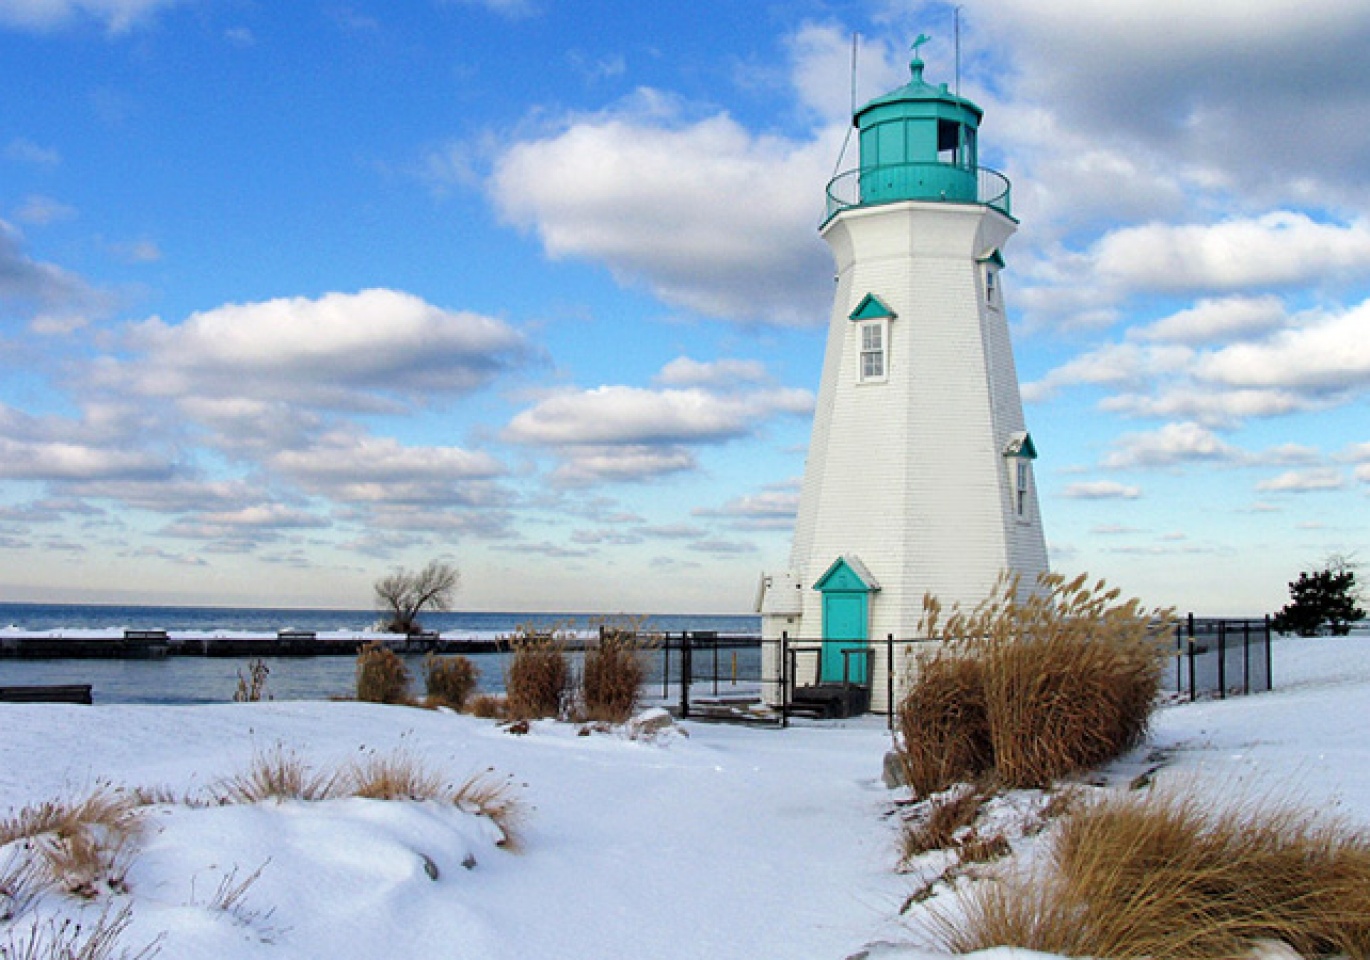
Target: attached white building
[920, 471]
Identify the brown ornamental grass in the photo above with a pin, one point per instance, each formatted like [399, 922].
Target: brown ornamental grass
[1030, 686]
[1166, 876]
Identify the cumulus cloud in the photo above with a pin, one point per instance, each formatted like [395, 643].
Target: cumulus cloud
[1101, 490]
[634, 415]
[1221, 91]
[351, 467]
[98, 448]
[705, 213]
[1303, 481]
[1277, 249]
[1218, 321]
[118, 16]
[769, 510]
[621, 433]
[685, 372]
[1324, 353]
[365, 351]
[43, 288]
[1172, 445]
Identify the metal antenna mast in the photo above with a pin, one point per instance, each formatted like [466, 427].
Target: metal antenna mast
[956, 12]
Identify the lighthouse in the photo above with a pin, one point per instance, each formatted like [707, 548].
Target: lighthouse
[920, 473]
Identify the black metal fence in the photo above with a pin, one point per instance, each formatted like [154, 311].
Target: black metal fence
[707, 675]
[1222, 657]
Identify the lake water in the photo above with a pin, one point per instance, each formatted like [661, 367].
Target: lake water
[187, 679]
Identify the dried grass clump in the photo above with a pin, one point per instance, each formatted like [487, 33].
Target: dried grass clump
[1161, 876]
[278, 774]
[611, 677]
[489, 706]
[449, 681]
[497, 798]
[1031, 688]
[936, 826]
[397, 776]
[82, 847]
[943, 724]
[539, 675]
[382, 676]
[252, 686]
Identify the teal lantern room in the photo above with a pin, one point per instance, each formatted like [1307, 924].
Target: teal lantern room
[918, 142]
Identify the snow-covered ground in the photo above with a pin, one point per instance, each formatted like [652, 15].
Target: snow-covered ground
[709, 841]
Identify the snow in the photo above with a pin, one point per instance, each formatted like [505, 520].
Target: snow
[697, 841]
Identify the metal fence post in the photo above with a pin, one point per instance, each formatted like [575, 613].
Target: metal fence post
[1269, 662]
[666, 669]
[686, 669]
[1191, 659]
[784, 678]
[1246, 656]
[1222, 659]
[889, 681]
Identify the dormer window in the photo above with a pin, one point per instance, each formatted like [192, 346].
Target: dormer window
[1018, 457]
[872, 320]
[991, 263]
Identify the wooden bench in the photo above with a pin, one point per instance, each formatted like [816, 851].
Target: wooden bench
[56, 693]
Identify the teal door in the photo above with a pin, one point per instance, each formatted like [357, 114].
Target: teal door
[844, 628]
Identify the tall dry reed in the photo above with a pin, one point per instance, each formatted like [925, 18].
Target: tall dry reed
[538, 678]
[1031, 686]
[382, 676]
[1162, 876]
[449, 681]
[611, 677]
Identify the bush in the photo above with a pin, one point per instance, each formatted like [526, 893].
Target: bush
[449, 681]
[382, 676]
[539, 675]
[489, 706]
[1031, 689]
[1161, 876]
[942, 724]
[611, 677]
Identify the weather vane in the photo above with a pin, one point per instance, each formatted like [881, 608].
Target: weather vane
[922, 39]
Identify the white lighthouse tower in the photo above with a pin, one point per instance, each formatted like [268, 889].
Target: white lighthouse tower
[920, 471]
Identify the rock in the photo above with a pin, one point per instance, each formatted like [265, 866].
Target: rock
[893, 774]
[650, 723]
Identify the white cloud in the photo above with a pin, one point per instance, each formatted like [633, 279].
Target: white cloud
[768, 510]
[632, 415]
[1218, 321]
[706, 214]
[352, 467]
[1303, 481]
[366, 350]
[1277, 249]
[1101, 490]
[1323, 353]
[1363, 473]
[685, 372]
[513, 9]
[44, 286]
[1220, 92]
[1172, 445]
[118, 16]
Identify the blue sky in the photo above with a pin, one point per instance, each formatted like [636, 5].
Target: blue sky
[291, 294]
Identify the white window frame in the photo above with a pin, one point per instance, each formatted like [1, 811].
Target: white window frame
[881, 328]
[992, 292]
[1022, 485]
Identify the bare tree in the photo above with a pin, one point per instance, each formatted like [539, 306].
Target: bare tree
[404, 594]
